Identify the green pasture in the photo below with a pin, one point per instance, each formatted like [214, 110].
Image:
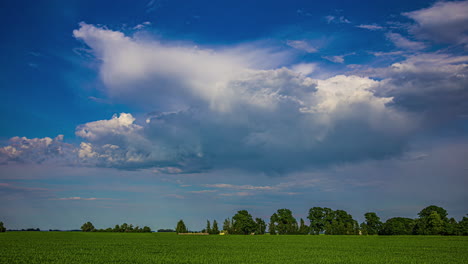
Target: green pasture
[78, 247]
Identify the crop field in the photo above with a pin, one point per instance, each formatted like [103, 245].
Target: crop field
[77, 247]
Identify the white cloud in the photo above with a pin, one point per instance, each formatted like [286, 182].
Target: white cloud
[39, 150]
[335, 59]
[203, 191]
[337, 20]
[171, 76]
[372, 27]
[142, 25]
[302, 45]
[237, 194]
[338, 58]
[444, 22]
[304, 68]
[390, 53]
[404, 43]
[118, 125]
[228, 113]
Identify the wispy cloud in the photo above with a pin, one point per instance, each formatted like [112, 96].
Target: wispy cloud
[237, 194]
[204, 191]
[404, 43]
[142, 25]
[337, 20]
[177, 196]
[372, 27]
[302, 45]
[240, 187]
[22, 188]
[77, 199]
[152, 5]
[390, 53]
[80, 199]
[337, 58]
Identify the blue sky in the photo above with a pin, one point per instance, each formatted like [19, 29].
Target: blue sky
[153, 111]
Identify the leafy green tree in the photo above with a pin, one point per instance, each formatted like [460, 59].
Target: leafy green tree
[227, 227]
[431, 221]
[451, 228]
[2, 228]
[87, 227]
[116, 228]
[341, 223]
[181, 228]
[320, 219]
[123, 227]
[146, 229]
[463, 226]
[372, 225]
[215, 229]
[208, 227]
[260, 226]
[303, 228]
[426, 212]
[398, 226]
[272, 228]
[435, 223]
[243, 223]
[285, 223]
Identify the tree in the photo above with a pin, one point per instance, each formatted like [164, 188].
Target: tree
[181, 228]
[431, 221]
[146, 229]
[227, 227]
[87, 227]
[398, 226]
[451, 228]
[463, 226]
[271, 228]
[2, 228]
[260, 226]
[435, 224]
[426, 212]
[243, 223]
[339, 222]
[285, 223]
[320, 219]
[208, 227]
[303, 228]
[372, 225]
[124, 227]
[215, 229]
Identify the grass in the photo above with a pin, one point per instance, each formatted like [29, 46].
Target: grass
[77, 247]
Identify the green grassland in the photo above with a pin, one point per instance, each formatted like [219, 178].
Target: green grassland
[77, 247]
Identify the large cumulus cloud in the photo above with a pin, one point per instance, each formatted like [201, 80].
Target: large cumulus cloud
[224, 108]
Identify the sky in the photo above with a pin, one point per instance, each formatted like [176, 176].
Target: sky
[147, 112]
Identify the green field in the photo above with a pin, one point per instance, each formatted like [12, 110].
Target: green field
[77, 247]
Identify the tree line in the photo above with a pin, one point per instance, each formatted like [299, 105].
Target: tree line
[89, 227]
[432, 220]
